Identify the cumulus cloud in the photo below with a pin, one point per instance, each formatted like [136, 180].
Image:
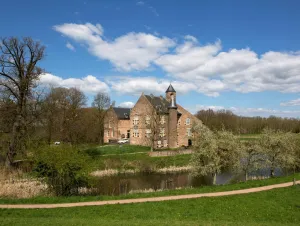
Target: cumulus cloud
[291, 103]
[133, 51]
[127, 104]
[205, 68]
[88, 84]
[264, 112]
[240, 70]
[70, 46]
[137, 85]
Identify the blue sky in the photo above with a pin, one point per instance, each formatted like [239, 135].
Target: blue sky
[238, 55]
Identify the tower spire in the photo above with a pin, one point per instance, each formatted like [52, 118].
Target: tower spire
[170, 89]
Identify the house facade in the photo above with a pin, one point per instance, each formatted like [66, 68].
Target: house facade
[116, 124]
[155, 121]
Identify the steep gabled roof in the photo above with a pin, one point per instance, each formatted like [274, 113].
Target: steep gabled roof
[122, 113]
[170, 89]
[158, 103]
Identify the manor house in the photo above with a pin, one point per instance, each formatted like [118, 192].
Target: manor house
[153, 121]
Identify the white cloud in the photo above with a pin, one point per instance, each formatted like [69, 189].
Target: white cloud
[127, 104]
[291, 103]
[137, 85]
[88, 84]
[70, 46]
[140, 3]
[236, 70]
[133, 51]
[191, 38]
[207, 67]
[264, 112]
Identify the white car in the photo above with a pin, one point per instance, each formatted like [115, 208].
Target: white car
[123, 141]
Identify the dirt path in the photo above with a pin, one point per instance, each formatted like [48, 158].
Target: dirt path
[141, 200]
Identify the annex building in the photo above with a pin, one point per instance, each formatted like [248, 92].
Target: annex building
[153, 121]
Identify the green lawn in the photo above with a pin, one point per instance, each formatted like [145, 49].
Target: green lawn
[274, 207]
[203, 189]
[116, 149]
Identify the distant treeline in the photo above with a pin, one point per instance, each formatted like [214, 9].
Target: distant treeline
[226, 119]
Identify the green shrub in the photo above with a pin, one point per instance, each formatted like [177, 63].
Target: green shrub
[64, 168]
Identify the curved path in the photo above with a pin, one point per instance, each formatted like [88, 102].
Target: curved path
[140, 200]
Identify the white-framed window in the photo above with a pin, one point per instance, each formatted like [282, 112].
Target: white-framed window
[147, 120]
[135, 120]
[135, 133]
[188, 121]
[159, 143]
[107, 133]
[165, 143]
[162, 119]
[148, 133]
[188, 132]
[162, 132]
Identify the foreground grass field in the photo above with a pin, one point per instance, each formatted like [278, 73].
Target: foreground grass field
[204, 189]
[274, 207]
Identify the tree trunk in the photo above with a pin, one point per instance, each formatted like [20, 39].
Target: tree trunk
[50, 131]
[214, 175]
[272, 172]
[246, 175]
[14, 142]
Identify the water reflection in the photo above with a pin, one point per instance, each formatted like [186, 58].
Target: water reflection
[123, 184]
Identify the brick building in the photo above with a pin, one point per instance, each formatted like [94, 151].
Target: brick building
[153, 121]
[116, 124]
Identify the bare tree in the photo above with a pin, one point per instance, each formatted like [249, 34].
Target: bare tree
[101, 103]
[77, 100]
[152, 124]
[18, 75]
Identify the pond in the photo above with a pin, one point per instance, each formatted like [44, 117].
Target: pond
[124, 184]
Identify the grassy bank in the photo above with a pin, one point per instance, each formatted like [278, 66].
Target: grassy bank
[274, 207]
[204, 189]
[139, 161]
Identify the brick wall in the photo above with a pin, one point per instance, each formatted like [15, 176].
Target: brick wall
[123, 127]
[182, 126]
